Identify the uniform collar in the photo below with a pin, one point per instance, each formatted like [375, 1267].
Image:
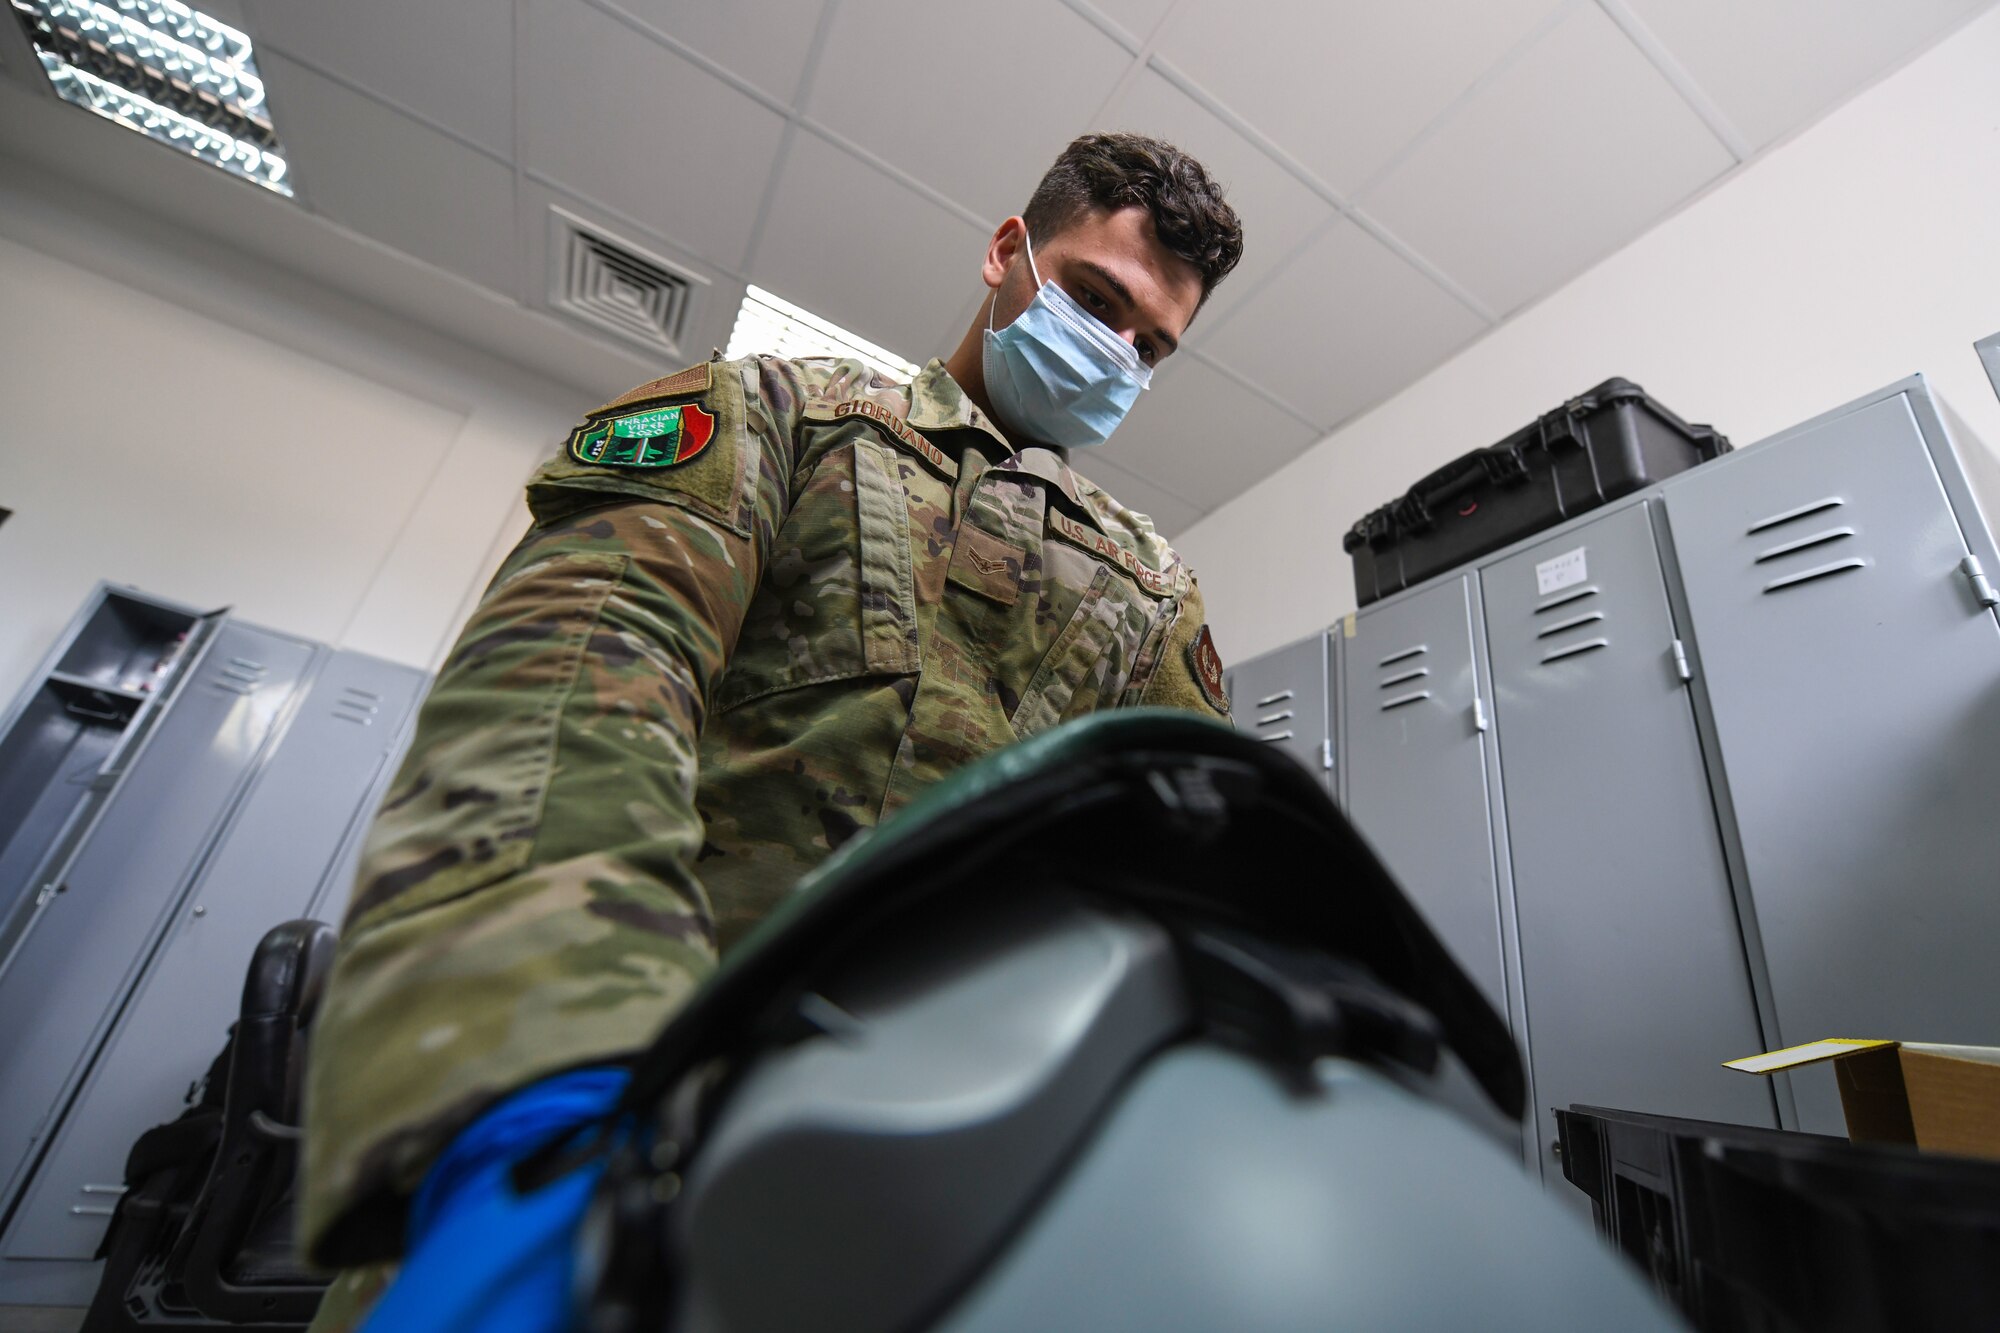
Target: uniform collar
[937, 403]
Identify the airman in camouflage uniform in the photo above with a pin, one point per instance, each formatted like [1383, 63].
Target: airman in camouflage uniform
[763, 604]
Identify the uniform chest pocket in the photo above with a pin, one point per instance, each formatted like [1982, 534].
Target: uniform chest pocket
[1092, 657]
[838, 595]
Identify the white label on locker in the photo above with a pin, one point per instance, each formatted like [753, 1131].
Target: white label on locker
[1562, 572]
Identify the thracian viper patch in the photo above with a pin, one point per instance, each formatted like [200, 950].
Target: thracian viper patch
[655, 437]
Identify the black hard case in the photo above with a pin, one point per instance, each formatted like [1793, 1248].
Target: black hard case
[1598, 446]
[1752, 1230]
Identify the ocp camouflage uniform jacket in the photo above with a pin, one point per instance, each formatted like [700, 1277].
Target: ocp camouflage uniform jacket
[687, 685]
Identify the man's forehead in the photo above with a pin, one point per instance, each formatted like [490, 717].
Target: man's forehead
[1123, 246]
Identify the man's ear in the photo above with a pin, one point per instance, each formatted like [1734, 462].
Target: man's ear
[1007, 244]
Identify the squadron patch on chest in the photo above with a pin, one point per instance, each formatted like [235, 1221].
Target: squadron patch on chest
[652, 437]
[1207, 666]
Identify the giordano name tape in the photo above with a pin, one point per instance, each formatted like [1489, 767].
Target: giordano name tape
[899, 428]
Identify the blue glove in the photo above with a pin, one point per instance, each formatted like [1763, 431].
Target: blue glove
[482, 1256]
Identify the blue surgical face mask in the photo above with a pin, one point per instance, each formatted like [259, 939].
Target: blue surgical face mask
[1058, 373]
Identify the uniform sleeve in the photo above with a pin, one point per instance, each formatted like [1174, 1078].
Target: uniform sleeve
[1183, 669]
[526, 901]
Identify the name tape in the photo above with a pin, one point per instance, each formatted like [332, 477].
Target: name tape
[900, 429]
[1160, 585]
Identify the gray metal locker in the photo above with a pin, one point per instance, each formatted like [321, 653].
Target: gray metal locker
[1855, 678]
[271, 864]
[1989, 356]
[1412, 735]
[1283, 698]
[1632, 967]
[65, 986]
[67, 742]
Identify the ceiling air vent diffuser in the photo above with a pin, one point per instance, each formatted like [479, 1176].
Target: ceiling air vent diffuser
[615, 287]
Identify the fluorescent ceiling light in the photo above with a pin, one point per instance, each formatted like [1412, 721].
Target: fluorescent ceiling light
[773, 325]
[170, 72]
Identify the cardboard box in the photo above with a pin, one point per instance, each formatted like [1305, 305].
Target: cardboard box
[1940, 1098]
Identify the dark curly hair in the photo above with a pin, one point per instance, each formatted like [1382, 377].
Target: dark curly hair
[1113, 171]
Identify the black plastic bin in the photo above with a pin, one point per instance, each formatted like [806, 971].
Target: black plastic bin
[1596, 447]
[1769, 1231]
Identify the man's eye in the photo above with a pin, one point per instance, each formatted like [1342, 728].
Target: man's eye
[1147, 352]
[1093, 301]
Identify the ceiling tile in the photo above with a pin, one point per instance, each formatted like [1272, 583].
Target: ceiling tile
[1773, 65]
[375, 170]
[1171, 515]
[857, 247]
[436, 60]
[1199, 435]
[961, 319]
[1345, 326]
[1277, 211]
[763, 41]
[617, 118]
[1518, 192]
[395, 181]
[972, 101]
[1342, 85]
[1137, 17]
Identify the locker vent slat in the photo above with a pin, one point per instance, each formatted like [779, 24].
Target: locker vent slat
[1277, 698]
[1589, 590]
[1406, 676]
[1811, 575]
[1589, 619]
[1817, 539]
[1405, 699]
[1268, 719]
[1587, 646]
[1273, 740]
[1394, 658]
[1803, 511]
[357, 705]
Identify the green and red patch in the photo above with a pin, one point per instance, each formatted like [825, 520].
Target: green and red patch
[654, 437]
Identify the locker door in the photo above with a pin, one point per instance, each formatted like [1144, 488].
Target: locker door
[1632, 966]
[272, 859]
[79, 964]
[1281, 699]
[1412, 736]
[1855, 681]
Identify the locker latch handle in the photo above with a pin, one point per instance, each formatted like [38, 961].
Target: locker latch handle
[1975, 574]
[1478, 713]
[1681, 667]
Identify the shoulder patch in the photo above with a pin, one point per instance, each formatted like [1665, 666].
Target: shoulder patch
[1207, 665]
[655, 437]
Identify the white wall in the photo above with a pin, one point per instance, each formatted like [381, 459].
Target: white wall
[220, 432]
[1864, 250]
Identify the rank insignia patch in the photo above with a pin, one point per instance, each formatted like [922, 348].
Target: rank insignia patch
[1207, 664]
[656, 437]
